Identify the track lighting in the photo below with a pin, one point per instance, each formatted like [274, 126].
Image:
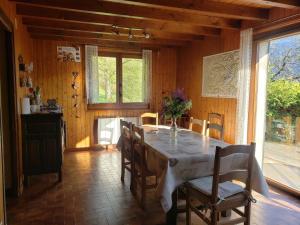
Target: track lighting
[117, 30]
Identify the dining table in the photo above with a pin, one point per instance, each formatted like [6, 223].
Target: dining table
[183, 155]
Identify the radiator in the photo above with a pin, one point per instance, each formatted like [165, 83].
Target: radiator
[109, 129]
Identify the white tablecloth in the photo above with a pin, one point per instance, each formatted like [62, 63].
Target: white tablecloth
[188, 156]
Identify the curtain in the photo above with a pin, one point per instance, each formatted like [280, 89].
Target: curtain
[91, 70]
[147, 74]
[243, 86]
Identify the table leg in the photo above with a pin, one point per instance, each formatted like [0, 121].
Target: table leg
[171, 217]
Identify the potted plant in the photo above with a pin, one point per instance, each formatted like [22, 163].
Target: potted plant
[175, 106]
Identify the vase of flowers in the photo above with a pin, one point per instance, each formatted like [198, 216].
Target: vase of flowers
[35, 95]
[175, 106]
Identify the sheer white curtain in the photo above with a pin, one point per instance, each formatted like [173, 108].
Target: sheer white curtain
[147, 74]
[91, 77]
[243, 86]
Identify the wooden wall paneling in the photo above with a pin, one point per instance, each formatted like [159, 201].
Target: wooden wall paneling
[189, 74]
[189, 77]
[52, 73]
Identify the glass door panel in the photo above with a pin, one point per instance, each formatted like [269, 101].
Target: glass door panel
[281, 145]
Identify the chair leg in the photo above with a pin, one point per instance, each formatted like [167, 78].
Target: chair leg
[143, 191]
[214, 217]
[247, 214]
[131, 178]
[188, 208]
[122, 168]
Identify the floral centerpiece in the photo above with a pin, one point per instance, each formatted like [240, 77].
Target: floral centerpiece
[175, 106]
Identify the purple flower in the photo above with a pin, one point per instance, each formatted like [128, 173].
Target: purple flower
[179, 94]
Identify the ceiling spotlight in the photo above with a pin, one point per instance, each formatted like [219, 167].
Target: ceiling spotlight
[146, 35]
[130, 35]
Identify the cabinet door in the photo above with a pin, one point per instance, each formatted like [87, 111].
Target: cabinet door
[51, 157]
[34, 148]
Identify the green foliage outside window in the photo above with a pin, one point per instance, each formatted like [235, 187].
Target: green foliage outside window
[132, 80]
[107, 67]
[283, 88]
[283, 99]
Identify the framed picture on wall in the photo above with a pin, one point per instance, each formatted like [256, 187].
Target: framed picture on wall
[68, 54]
[220, 75]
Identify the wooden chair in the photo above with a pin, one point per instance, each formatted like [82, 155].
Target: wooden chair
[201, 123]
[149, 115]
[126, 149]
[216, 123]
[218, 193]
[139, 166]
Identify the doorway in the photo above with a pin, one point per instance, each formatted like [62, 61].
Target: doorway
[9, 138]
[278, 110]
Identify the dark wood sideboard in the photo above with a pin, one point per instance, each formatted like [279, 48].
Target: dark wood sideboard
[43, 137]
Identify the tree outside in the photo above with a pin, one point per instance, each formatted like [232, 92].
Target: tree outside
[107, 67]
[133, 81]
[283, 89]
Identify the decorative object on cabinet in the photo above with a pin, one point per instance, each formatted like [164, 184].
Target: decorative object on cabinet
[42, 144]
[35, 95]
[68, 54]
[75, 95]
[51, 106]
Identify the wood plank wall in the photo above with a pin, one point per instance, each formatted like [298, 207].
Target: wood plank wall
[189, 74]
[23, 46]
[189, 77]
[55, 79]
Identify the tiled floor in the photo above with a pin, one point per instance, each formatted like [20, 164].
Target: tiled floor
[92, 194]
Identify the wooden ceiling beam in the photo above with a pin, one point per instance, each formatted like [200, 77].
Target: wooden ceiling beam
[204, 8]
[110, 37]
[101, 43]
[127, 11]
[279, 3]
[159, 26]
[105, 29]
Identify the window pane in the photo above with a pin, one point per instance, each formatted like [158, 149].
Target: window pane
[133, 82]
[107, 79]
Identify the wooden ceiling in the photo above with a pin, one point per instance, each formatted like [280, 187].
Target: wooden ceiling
[169, 22]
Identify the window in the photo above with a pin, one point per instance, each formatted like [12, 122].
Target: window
[132, 82]
[120, 82]
[107, 67]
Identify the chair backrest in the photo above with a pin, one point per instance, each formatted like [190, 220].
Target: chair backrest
[139, 154]
[243, 175]
[201, 123]
[149, 115]
[126, 137]
[215, 122]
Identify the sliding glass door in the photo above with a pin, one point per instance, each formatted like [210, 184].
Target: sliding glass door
[278, 110]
